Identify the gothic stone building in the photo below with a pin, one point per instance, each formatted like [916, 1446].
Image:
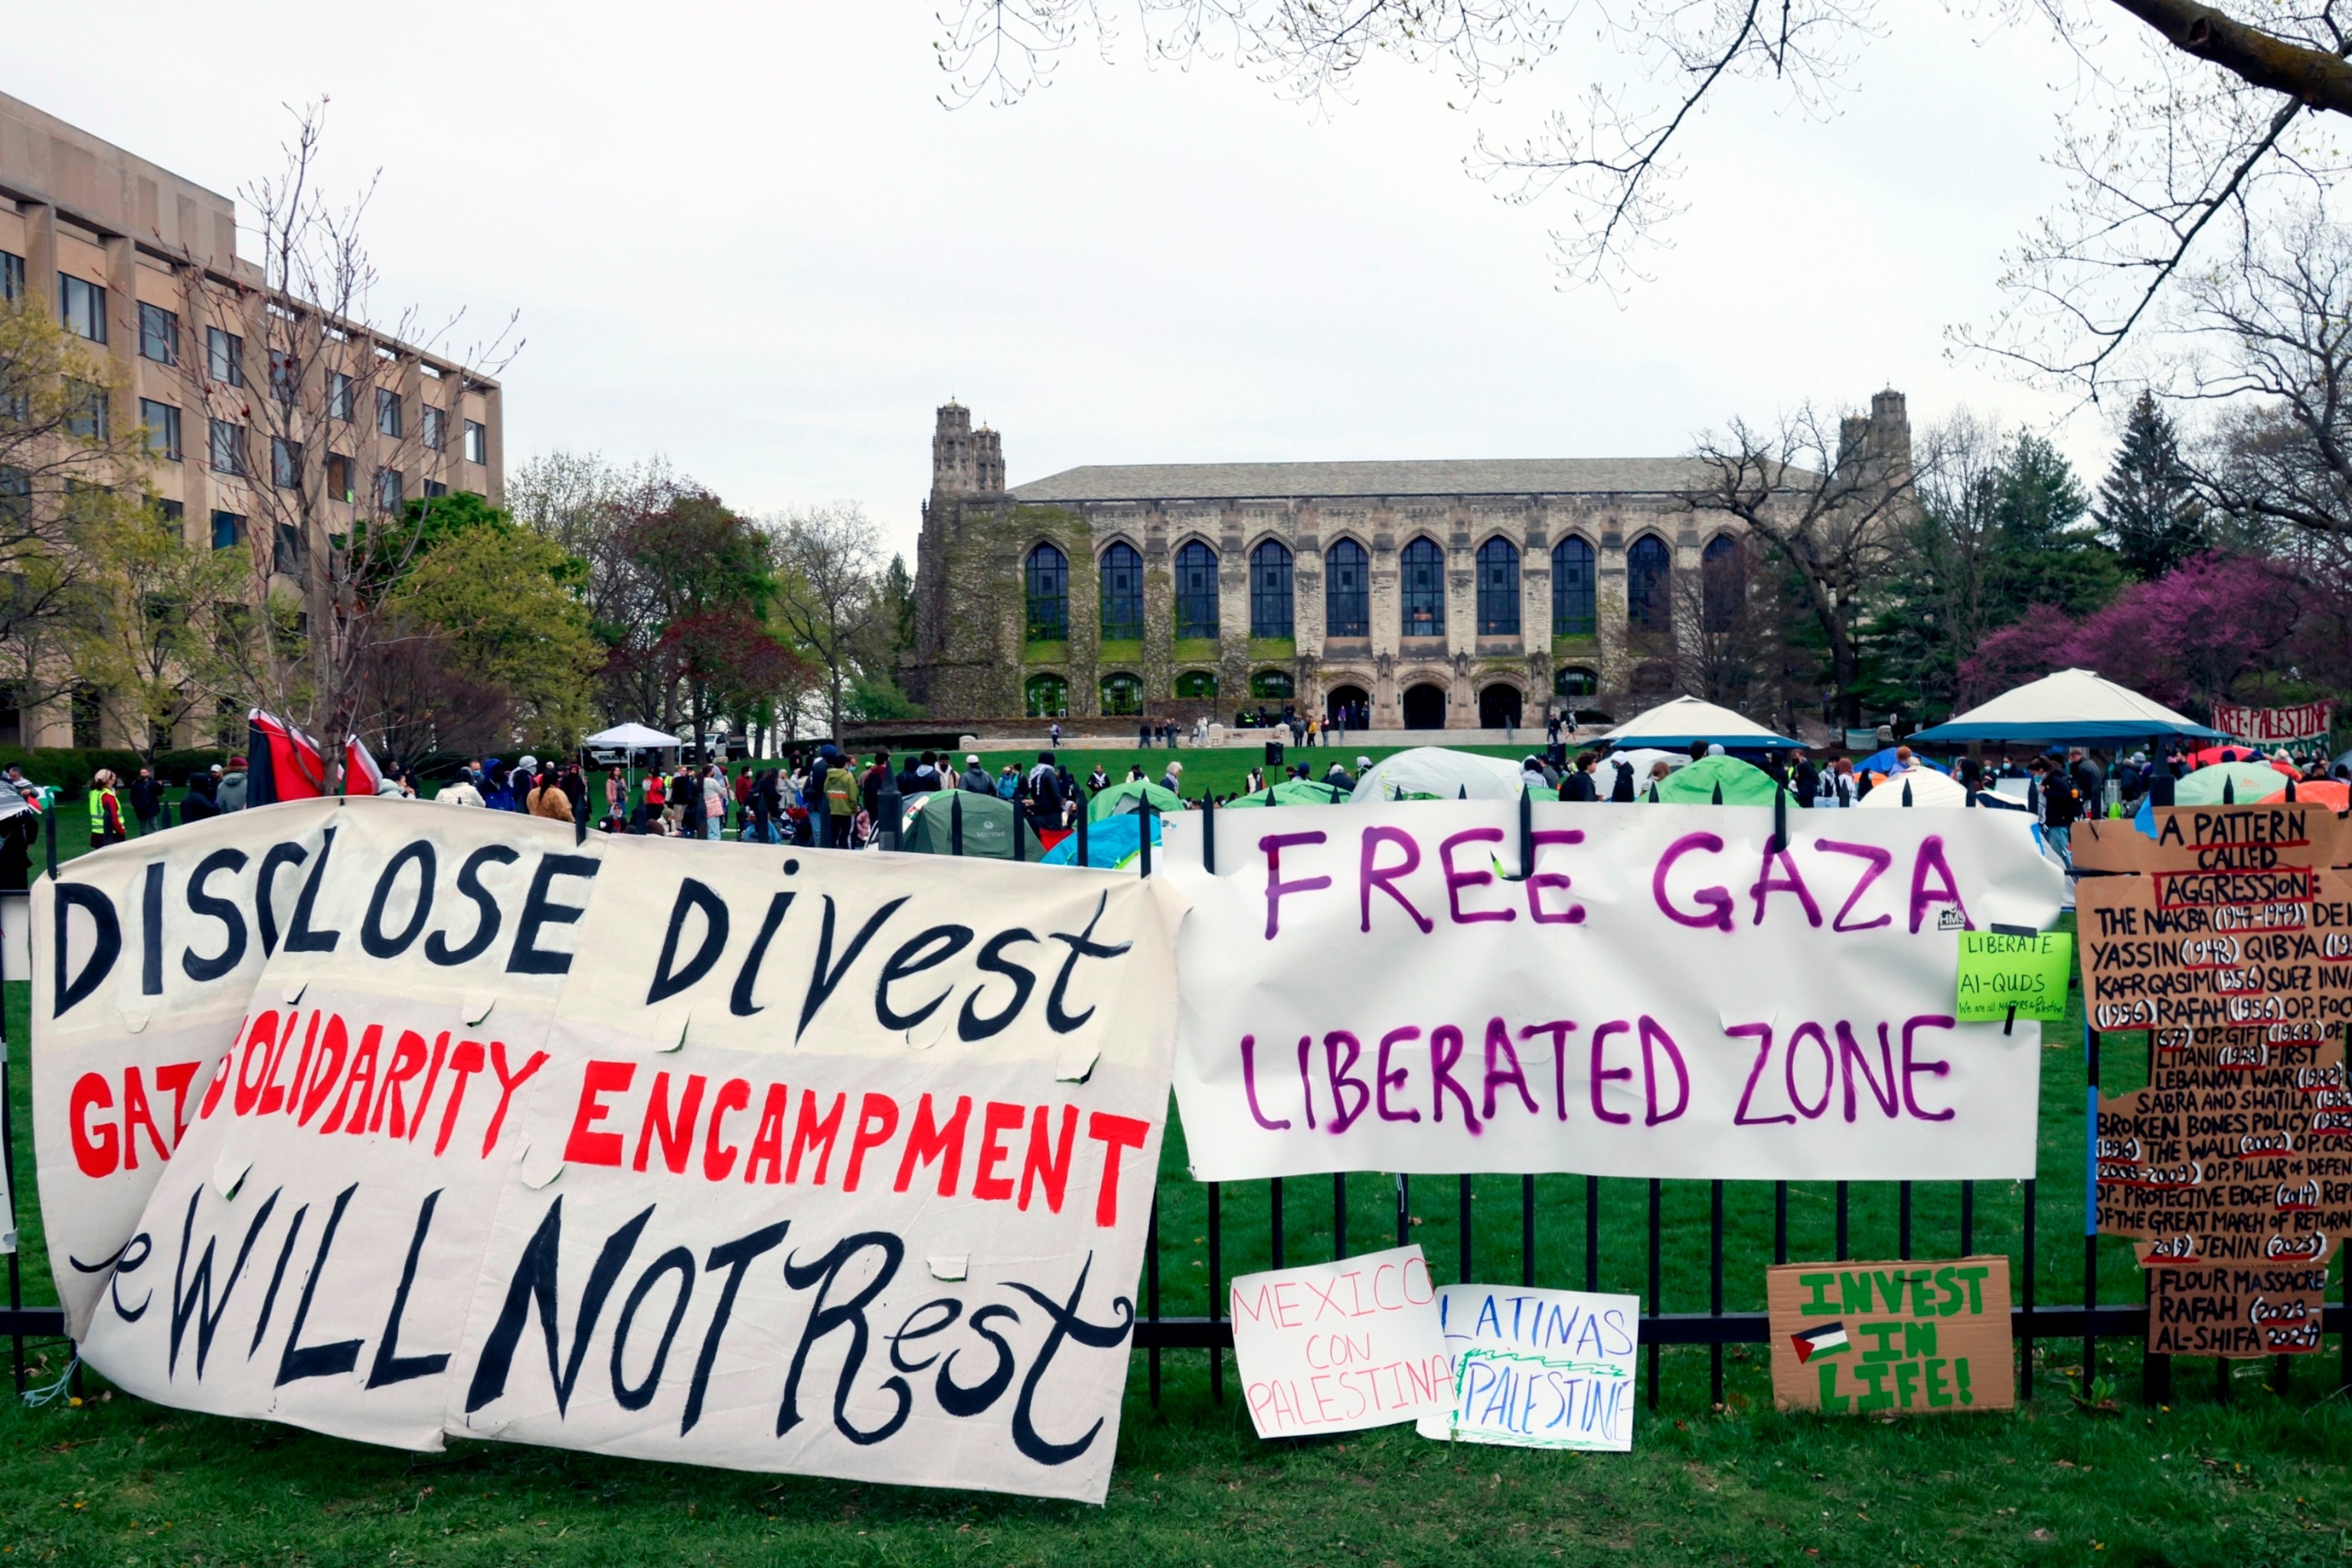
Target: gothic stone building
[1424, 594]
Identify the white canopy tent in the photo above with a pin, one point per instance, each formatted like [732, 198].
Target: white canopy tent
[635, 737]
[2073, 705]
[1436, 772]
[632, 738]
[1686, 719]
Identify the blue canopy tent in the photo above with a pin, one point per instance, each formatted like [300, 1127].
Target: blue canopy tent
[2072, 707]
[1686, 721]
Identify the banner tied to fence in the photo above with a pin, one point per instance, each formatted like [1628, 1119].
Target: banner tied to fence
[1661, 991]
[2274, 726]
[2229, 935]
[397, 1122]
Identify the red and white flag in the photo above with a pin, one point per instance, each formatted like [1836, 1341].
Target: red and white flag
[361, 775]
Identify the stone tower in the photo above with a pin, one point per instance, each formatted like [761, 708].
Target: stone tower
[965, 461]
[1881, 439]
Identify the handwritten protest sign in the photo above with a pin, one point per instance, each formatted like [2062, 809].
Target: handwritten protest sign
[1670, 991]
[634, 1145]
[2027, 972]
[1342, 1346]
[1537, 1369]
[1911, 1338]
[2230, 934]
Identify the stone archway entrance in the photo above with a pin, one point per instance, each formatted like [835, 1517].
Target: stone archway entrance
[1498, 706]
[1424, 707]
[1350, 705]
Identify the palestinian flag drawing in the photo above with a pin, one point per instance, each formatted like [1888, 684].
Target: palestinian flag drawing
[1822, 1339]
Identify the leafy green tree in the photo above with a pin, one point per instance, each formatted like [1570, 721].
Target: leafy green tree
[160, 635]
[2150, 514]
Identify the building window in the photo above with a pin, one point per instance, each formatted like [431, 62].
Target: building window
[227, 447]
[436, 427]
[1270, 615]
[81, 306]
[1347, 591]
[15, 495]
[1499, 589]
[11, 275]
[284, 462]
[387, 489]
[435, 490]
[1576, 682]
[477, 442]
[87, 421]
[1046, 582]
[170, 512]
[1196, 591]
[1272, 685]
[1122, 597]
[1646, 566]
[286, 550]
[339, 478]
[84, 710]
[1571, 590]
[284, 376]
[163, 421]
[1421, 582]
[158, 334]
[223, 357]
[1122, 695]
[229, 529]
[338, 395]
[1723, 577]
[1196, 686]
[387, 412]
[1048, 697]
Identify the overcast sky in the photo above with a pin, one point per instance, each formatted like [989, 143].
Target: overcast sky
[747, 237]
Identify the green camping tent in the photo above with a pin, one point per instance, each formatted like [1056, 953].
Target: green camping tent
[987, 825]
[1130, 796]
[1742, 783]
[1294, 792]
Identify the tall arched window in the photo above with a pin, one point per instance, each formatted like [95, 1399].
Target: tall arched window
[1347, 591]
[1646, 566]
[1122, 695]
[1571, 590]
[1270, 591]
[1499, 589]
[1723, 574]
[1196, 591]
[1048, 592]
[1122, 594]
[1196, 686]
[1421, 581]
[1049, 696]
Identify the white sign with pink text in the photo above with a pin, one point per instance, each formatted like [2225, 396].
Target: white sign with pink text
[1615, 990]
[1341, 1346]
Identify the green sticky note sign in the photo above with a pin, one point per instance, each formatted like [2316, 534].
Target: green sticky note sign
[2029, 973]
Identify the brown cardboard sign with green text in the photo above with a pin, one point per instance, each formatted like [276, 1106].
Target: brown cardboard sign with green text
[1919, 1337]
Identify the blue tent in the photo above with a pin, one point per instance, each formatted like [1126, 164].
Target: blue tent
[1113, 842]
[2073, 705]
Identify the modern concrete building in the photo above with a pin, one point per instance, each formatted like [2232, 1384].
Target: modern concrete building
[1418, 596]
[144, 263]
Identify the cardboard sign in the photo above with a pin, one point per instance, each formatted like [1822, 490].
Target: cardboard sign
[1667, 992]
[2229, 935]
[398, 1121]
[1537, 1369]
[1913, 1338]
[1339, 1347]
[2001, 971]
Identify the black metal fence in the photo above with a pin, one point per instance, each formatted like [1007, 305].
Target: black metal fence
[1574, 1232]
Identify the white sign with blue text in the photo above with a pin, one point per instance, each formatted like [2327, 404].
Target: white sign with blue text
[1537, 1369]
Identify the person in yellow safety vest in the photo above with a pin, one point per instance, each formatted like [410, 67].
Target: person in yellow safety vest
[105, 811]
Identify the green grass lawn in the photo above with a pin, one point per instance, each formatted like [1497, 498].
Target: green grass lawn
[1223, 771]
[2257, 1478]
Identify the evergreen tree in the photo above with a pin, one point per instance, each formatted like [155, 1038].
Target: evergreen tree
[2149, 514]
[2045, 550]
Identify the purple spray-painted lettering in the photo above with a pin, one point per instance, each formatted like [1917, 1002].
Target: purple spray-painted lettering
[1717, 901]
